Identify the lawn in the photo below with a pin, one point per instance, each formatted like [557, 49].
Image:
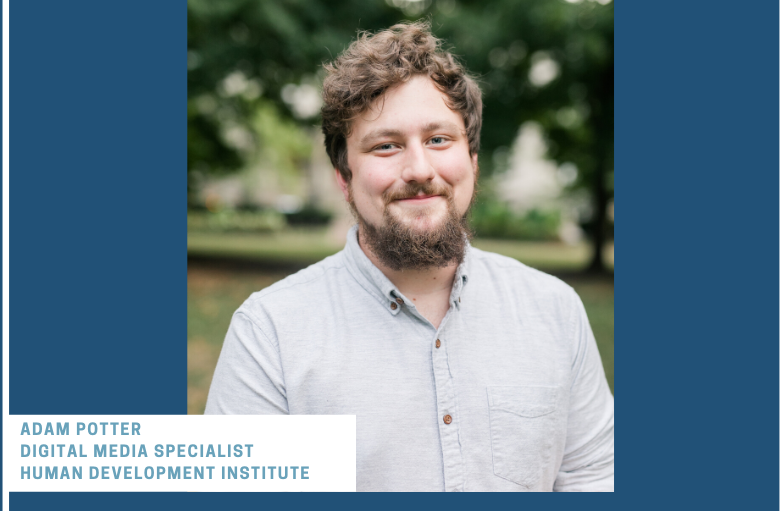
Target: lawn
[215, 291]
[307, 246]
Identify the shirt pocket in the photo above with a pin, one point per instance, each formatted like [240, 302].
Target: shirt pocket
[524, 428]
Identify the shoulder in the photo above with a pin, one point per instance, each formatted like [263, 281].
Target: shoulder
[516, 271]
[515, 278]
[297, 293]
[316, 278]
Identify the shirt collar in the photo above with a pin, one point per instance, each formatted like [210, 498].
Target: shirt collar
[383, 290]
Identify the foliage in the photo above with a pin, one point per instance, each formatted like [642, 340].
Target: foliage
[309, 215]
[544, 60]
[252, 219]
[494, 219]
[227, 220]
[284, 144]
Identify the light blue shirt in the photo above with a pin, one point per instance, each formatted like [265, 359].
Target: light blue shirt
[514, 398]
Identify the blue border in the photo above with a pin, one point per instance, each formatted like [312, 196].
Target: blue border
[697, 297]
[99, 243]
[98, 208]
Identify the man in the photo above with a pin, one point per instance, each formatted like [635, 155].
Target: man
[467, 371]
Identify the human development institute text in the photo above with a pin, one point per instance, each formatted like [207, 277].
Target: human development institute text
[48, 450]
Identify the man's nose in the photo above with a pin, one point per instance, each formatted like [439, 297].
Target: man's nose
[417, 167]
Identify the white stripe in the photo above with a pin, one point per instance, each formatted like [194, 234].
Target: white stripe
[6, 365]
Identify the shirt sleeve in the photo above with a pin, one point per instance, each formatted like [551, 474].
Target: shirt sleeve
[588, 461]
[248, 379]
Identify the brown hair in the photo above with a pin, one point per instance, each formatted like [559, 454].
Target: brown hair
[373, 64]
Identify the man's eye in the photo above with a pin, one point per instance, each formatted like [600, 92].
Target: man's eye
[437, 140]
[385, 147]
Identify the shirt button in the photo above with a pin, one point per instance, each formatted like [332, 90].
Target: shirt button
[437, 343]
[447, 419]
[400, 301]
[393, 306]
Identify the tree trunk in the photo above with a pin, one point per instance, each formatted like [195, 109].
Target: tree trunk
[600, 204]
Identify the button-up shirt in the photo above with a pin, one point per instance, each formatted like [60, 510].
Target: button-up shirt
[508, 394]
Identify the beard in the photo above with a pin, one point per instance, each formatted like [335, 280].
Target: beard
[402, 247]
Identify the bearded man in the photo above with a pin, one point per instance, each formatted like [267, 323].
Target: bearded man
[466, 370]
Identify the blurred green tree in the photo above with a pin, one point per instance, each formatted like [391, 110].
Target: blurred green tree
[549, 61]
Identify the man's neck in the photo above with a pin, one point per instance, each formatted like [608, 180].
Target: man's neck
[429, 289]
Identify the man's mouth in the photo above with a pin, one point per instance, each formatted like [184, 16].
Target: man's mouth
[418, 198]
[417, 195]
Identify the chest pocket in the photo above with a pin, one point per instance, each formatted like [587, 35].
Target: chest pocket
[524, 431]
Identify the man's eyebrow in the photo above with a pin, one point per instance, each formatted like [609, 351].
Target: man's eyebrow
[380, 133]
[434, 126]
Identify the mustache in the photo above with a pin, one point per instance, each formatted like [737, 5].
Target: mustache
[411, 190]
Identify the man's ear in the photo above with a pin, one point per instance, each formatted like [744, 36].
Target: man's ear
[475, 165]
[343, 185]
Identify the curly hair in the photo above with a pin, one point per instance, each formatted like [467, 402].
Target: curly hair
[373, 64]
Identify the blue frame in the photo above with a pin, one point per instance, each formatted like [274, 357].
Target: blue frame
[99, 244]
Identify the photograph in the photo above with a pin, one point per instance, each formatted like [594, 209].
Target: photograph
[403, 210]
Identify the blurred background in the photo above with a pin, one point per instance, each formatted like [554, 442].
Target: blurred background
[262, 201]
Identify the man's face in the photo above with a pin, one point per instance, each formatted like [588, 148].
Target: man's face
[410, 160]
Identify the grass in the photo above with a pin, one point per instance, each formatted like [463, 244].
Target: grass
[306, 246]
[297, 246]
[215, 292]
[598, 298]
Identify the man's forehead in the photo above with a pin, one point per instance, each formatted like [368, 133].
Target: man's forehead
[413, 106]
